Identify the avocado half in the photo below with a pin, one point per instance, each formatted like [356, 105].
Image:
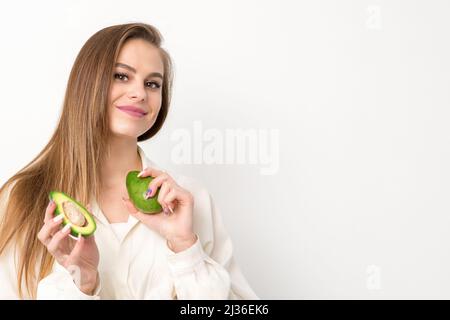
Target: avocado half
[82, 221]
[137, 187]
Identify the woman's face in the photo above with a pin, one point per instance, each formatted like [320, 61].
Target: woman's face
[135, 96]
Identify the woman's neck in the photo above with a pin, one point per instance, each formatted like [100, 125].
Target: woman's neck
[123, 157]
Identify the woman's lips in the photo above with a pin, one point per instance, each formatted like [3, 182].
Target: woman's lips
[134, 113]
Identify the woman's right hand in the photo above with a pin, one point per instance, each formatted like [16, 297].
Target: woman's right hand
[82, 253]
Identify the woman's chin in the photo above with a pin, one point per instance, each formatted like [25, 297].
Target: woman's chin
[126, 134]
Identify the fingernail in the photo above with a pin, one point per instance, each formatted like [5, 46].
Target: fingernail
[59, 217]
[140, 174]
[66, 227]
[148, 193]
[170, 209]
[50, 203]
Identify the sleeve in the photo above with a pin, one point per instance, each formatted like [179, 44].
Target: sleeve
[60, 285]
[209, 272]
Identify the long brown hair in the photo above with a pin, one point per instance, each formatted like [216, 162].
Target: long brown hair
[70, 162]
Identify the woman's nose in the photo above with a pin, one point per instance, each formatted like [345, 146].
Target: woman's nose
[137, 93]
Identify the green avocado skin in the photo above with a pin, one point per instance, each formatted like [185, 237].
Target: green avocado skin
[74, 231]
[137, 187]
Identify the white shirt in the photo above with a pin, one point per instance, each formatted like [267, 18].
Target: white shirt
[121, 229]
[136, 263]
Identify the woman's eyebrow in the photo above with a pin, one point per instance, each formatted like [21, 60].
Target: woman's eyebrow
[152, 74]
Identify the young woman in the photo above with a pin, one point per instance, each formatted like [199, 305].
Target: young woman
[118, 94]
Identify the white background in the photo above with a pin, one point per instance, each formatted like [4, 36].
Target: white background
[359, 91]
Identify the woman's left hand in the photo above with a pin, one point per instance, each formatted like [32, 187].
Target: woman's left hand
[174, 223]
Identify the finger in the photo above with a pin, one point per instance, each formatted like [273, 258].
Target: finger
[55, 242]
[171, 198]
[49, 211]
[83, 244]
[181, 195]
[150, 172]
[49, 229]
[165, 189]
[90, 239]
[89, 243]
[78, 248]
[156, 183]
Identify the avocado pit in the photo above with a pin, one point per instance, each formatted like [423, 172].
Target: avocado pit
[74, 214]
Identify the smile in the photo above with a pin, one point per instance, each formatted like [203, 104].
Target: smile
[132, 111]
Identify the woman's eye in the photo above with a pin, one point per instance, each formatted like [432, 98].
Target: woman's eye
[120, 76]
[149, 84]
[155, 85]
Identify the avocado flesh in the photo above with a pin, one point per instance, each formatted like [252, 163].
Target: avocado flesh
[82, 222]
[137, 187]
